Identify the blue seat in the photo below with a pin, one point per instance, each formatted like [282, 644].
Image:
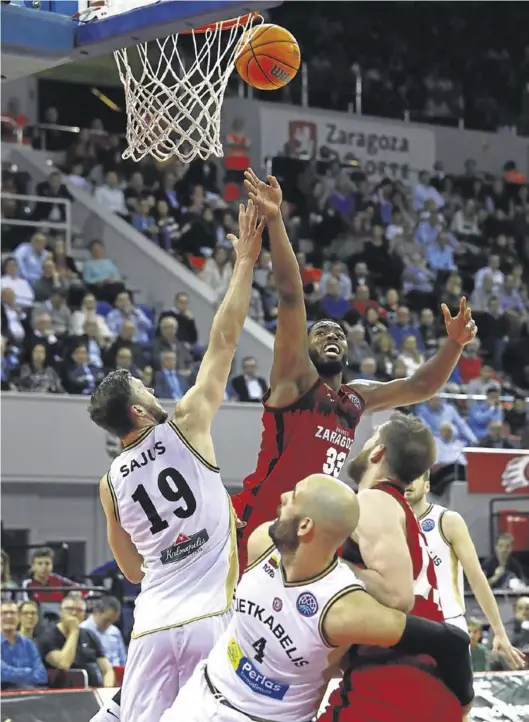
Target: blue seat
[103, 308]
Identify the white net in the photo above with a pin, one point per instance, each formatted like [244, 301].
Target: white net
[174, 90]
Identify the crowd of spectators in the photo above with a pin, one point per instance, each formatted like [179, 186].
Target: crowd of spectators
[47, 635]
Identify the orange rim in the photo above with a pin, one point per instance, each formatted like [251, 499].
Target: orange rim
[224, 24]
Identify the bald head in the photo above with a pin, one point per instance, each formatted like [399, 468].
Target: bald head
[321, 510]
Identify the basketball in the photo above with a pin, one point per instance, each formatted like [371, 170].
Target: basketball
[269, 57]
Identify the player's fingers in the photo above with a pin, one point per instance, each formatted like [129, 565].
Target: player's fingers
[446, 312]
[273, 181]
[232, 239]
[261, 225]
[254, 177]
[252, 197]
[463, 305]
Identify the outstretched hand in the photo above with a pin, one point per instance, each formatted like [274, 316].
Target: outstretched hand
[248, 244]
[461, 328]
[514, 657]
[266, 196]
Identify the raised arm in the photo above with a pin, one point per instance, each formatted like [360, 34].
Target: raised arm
[456, 532]
[194, 413]
[292, 370]
[431, 376]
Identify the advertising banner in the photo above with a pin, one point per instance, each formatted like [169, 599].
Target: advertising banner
[383, 148]
[497, 471]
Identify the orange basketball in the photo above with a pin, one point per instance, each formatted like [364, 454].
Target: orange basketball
[269, 57]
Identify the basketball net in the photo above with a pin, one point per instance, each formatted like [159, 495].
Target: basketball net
[174, 98]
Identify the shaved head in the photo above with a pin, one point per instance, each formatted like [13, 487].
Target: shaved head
[321, 510]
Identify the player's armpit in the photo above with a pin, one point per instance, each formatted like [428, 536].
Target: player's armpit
[120, 543]
[382, 541]
[357, 618]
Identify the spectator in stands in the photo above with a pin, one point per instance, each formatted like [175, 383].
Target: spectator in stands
[13, 318]
[135, 192]
[124, 360]
[88, 312]
[167, 192]
[465, 221]
[478, 651]
[76, 177]
[29, 618]
[496, 437]
[517, 417]
[67, 270]
[37, 375]
[493, 269]
[449, 447]
[94, 343]
[123, 311]
[42, 575]
[519, 627]
[110, 195]
[24, 294]
[510, 298]
[9, 359]
[359, 349]
[167, 382]
[187, 330]
[80, 376]
[217, 271]
[436, 412]
[102, 625]
[417, 278]
[482, 296]
[424, 191]
[483, 412]
[372, 323]
[453, 289]
[52, 189]
[30, 257]
[6, 583]
[344, 281]
[49, 282]
[100, 274]
[440, 254]
[143, 220]
[60, 314]
[66, 645]
[384, 355]
[392, 305]
[403, 327]
[333, 304]
[168, 226]
[501, 569]
[167, 340]
[428, 229]
[43, 333]
[249, 387]
[478, 386]
[368, 369]
[124, 339]
[22, 666]
[410, 355]
[429, 332]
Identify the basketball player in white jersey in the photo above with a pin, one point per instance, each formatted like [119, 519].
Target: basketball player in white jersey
[170, 521]
[454, 554]
[298, 608]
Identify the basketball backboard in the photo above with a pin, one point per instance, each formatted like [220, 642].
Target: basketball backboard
[37, 38]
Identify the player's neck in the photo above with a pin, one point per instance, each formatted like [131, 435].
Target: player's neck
[133, 435]
[335, 382]
[304, 564]
[420, 507]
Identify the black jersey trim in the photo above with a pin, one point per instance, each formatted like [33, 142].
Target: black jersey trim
[309, 580]
[192, 449]
[428, 510]
[113, 497]
[142, 436]
[327, 608]
[260, 558]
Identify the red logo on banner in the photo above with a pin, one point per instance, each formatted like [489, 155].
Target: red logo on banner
[496, 471]
[303, 137]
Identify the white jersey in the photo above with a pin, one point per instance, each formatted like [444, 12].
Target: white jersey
[273, 660]
[179, 516]
[448, 569]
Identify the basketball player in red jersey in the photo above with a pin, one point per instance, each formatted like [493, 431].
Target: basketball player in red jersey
[310, 416]
[391, 557]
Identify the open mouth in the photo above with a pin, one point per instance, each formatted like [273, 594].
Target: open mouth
[331, 349]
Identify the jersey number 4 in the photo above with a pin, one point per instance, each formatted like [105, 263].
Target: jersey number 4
[259, 647]
[334, 462]
[173, 487]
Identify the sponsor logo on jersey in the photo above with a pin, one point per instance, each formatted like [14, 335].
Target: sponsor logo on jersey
[337, 438]
[428, 525]
[354, 399]
[273, 561]
[184, 546]
[277, 604]
[307, 604]
[251, 676]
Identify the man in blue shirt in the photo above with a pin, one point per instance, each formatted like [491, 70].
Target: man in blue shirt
[436, 412]
[403, 327]
[30, 257]
[22, 666]
[440, 255]
[125, 311]
[483, 412]
[102, 625]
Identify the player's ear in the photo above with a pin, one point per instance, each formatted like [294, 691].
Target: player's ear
[377, 453]
[305, 527]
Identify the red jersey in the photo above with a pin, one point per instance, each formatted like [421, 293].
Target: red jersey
[310, 436]
[54, 580]
[424, 579]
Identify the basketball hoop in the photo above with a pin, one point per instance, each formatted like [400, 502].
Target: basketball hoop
[174, 96]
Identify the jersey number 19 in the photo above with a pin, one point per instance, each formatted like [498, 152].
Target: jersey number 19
[173, 487]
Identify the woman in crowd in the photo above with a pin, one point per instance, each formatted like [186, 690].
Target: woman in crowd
[384, 355]
[29, 618]
[81, 377]
[37, 375]
[24, 294]
[410, 355]
[217, 271]
[88, 312]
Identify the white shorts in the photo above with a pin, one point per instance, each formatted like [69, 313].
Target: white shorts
[459, 622]
[195, 703]
[160, 664]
